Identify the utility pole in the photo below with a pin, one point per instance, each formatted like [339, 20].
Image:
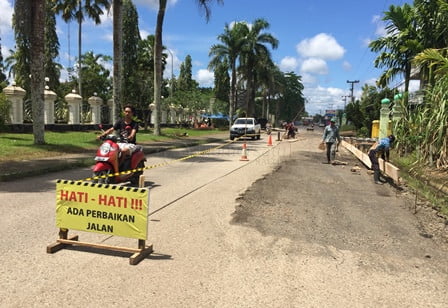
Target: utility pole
[352, 82]
[344, 98]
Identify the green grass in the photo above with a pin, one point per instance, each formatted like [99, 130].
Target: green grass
[416, 177]
[19, 146]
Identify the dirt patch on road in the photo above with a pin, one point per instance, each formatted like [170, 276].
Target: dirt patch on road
[339, 206]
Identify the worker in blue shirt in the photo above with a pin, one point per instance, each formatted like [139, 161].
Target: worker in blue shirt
[380, 148]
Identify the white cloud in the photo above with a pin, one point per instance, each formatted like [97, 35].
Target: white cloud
[346, 66]
[308, 79]
[380, 26]
[5, 17]
[314, 66]
[144, 34]
[153, 4]
[371, 81]
[321, 99]
[322, 46]
[205, 78]
[288, 64]
[108, 37]
[232, 24]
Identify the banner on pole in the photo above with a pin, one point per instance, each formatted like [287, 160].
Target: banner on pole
[102, 208]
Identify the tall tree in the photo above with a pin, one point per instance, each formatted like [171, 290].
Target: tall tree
[2, 70]
[228, 51]
[78, 10]
[52, 69]
[145, 74]
[255, 50]
[158, 48]
[293, 101]
[185, 81]
[118, 56]
[131, 41]
[432, 18]
[222, 82]
[399, 46]
[29, 28]
[97, 78]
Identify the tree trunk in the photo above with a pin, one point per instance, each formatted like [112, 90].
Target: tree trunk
[232, 94]
[79, 53]
[158, 46]
[37, 54]
[118, 52]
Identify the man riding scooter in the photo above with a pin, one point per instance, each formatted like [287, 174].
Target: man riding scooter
[127, 130]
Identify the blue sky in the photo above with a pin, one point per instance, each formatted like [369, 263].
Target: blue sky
[324, 41]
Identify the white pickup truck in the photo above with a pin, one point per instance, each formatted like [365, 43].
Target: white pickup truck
[248, 127]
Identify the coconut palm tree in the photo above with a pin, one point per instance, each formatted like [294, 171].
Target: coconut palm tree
[232, 41]
[117, 58]
[255, 50]
[33, 34]
[78, 10]
[158, 48]
[399, 46]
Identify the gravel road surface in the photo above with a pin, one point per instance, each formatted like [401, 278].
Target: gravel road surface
[281, 230]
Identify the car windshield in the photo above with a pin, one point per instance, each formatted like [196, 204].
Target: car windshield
[244, 121]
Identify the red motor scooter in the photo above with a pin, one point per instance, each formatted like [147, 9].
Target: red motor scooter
[108, 167]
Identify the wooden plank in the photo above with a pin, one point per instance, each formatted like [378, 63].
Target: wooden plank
[144, 250]
[386, 167]
[137, 257]
[363, 157]
[52, 248]
[100, 246]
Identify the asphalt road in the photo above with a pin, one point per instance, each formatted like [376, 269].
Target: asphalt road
[279, 230]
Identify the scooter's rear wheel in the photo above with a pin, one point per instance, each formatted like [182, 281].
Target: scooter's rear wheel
[104, 177]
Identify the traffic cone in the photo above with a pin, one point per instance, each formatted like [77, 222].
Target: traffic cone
[269, 141]
[243, 154]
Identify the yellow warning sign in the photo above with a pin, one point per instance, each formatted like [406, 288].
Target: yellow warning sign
[102, 208]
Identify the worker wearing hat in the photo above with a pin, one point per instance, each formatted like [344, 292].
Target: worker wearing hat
[330, 136]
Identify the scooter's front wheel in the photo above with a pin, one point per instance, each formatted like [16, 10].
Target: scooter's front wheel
[103, 177]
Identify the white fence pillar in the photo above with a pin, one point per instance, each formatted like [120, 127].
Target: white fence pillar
[74, 104]
[15, 95]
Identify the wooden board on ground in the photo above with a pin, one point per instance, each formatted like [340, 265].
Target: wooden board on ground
[386, 167]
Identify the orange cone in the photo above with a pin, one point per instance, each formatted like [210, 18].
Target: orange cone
[243, 154]
[269, 141]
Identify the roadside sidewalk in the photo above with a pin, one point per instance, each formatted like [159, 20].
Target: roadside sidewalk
[12, 170]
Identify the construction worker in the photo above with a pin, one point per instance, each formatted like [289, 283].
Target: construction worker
[331, 134]
[380, 148]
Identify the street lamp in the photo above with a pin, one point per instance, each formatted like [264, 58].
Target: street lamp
[172, 74]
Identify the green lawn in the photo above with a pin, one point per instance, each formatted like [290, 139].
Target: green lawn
[17, 146]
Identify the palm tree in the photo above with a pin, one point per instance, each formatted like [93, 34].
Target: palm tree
[435, 59]
[33, 33]
[399, 46]
[229, 50]
[117, 58]
[77, 10]
[158, 48]
[255, 50]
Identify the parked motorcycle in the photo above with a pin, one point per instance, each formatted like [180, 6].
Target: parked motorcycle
[108, 162]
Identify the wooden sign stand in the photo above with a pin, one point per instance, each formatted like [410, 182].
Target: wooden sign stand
[140, 253]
